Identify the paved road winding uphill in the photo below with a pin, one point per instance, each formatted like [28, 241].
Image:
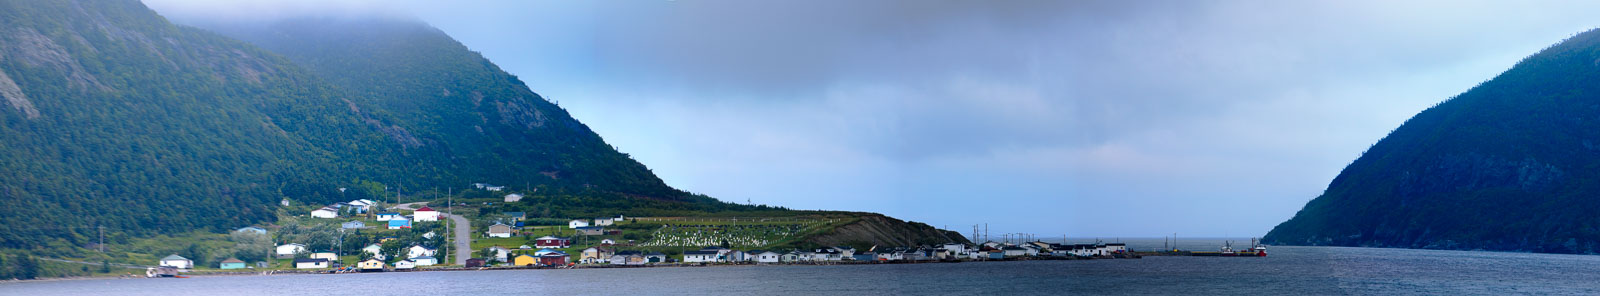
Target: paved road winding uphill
[463, 232]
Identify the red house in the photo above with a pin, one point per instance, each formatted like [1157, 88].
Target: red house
[553, 259]
[551, 242]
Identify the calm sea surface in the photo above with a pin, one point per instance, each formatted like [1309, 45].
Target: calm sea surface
[1288, 271]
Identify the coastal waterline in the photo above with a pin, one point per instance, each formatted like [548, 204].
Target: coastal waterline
[1305, 270]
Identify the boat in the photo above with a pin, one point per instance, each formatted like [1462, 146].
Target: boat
[1256, 250]
[161, 271]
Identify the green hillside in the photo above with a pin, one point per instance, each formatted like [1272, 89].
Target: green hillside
[113, 120]
[1508, 165]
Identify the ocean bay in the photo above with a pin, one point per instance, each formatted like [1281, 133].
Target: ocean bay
[1302, 270]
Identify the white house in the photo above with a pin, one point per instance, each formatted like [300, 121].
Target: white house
[1014, 251]
[767, 257]
[419, 251]
[955, 249]
[499, 253]
[405, 264]
[603, 221]
[494, 188]
[499, 230]
[425, 261]
[388, 216]
[290, 249]
[330, 256]
[607, 242]
[326, 213]
[177, 262]
[375, 250]
[513, 197]
[699, 256]
[310, 263]
[425, 214]
[1116, 247]
[574, 224]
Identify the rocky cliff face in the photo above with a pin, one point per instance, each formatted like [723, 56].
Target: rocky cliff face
[1510, 164]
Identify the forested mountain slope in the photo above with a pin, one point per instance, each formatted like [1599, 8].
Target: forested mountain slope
[1511, 164]
[113, 118]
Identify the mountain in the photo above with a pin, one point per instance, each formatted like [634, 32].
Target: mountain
[1511, 164]
[114, 119]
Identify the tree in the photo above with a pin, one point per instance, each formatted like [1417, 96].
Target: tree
[27, 268]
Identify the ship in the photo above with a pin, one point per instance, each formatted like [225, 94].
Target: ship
[1256, 250]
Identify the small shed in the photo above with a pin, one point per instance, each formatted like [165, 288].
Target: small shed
[310, 263]
[231, 263]
[177, 262]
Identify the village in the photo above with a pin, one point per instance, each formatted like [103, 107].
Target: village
[513, 240]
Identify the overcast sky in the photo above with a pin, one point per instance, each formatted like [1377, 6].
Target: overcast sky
[1084, 118]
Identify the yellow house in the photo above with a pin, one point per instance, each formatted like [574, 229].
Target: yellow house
[524, 260]
[370, 264]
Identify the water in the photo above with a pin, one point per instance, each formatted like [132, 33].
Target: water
[1289, 270]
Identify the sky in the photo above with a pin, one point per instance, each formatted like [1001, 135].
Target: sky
[1080, 118]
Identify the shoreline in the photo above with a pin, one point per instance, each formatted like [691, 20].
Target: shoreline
[575, 267]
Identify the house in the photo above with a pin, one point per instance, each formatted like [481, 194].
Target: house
[353, 225]
[330, 256]
[308, 263]
[361, 206]
[954, 248]
[399, 223]
[419, 251]
[425, 214]
[766, 256]
[1030, 250]
[617, 219]
[286, 251]
[997, 254]
[405, 265]
[524, 260]
[1116, 248]
[551, 242]
[499, 253]
[481, 185]
[176, 261]
[553, 259]
[655, 257]
[388, 216]
[627, 258]
[513, 197]
[591, 230]
[231, 263]
[595, 255]
[325, 213]
[371, 264]
[426, 261]
[494, 188]
[574, 224]
[252, 229]
[476, 262]
[846, 251]
[700, 256]
[864, 256]
[891, 256]
[499, 230]
[374, 249]
[429, 235]
[734, 256]
[607, 242]
[791, 256]
[602, 221]
[516, 216]
[827, 254]
[541, 252]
